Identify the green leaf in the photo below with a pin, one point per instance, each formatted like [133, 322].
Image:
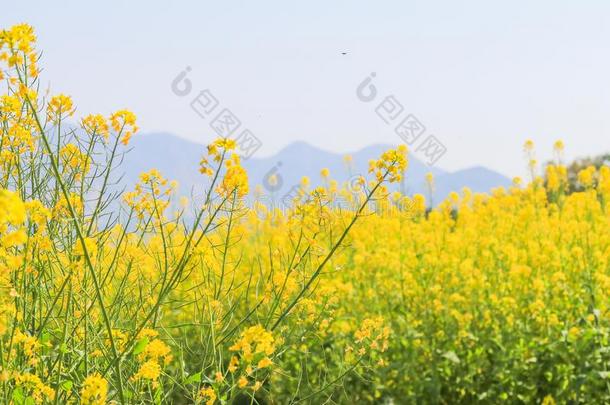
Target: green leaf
[18, 397]
[158, 395]
[45, 338]
[67, 385]
[195, 378]
[140, 345]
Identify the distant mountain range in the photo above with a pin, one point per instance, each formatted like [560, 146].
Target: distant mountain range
[178, 159]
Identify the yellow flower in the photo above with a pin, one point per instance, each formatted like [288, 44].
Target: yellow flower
[208, 395]
[94, 391]
[33, 385]
[96, 124]
[150, 370]
[204, 167]
[273, 180]
[548, 400]
[235, 179]
[429, 178]
[124, 121]
[12, 209]
[264, 362]
[558, 146]
[254, 340]
[586, 176]
[233, 363]
[225, 143]
[156, 350]
[391, 165]
[72, 158]
[20, 41]
[29, 345]
[242, 382]
[59, 107]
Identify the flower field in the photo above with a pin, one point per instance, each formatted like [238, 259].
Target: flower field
[144, 296]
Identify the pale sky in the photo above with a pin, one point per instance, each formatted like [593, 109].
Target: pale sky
[482, 76]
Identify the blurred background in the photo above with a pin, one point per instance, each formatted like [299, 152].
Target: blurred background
[481, 76]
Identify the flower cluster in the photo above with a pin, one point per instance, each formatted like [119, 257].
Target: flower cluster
[94, 391]
[154, 349]
[253, 349]
[235, 179]
[33, 387]
[96, 124]
[151, 193]
[74, 160]
[392, 164]
[207, 395]
[60, 107]
[148, 372]
[124, 122]
[17, 48]
[12, 235]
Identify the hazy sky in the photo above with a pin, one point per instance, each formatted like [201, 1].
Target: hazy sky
[482, 76]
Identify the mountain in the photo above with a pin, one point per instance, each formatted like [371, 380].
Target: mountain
[178, 159]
